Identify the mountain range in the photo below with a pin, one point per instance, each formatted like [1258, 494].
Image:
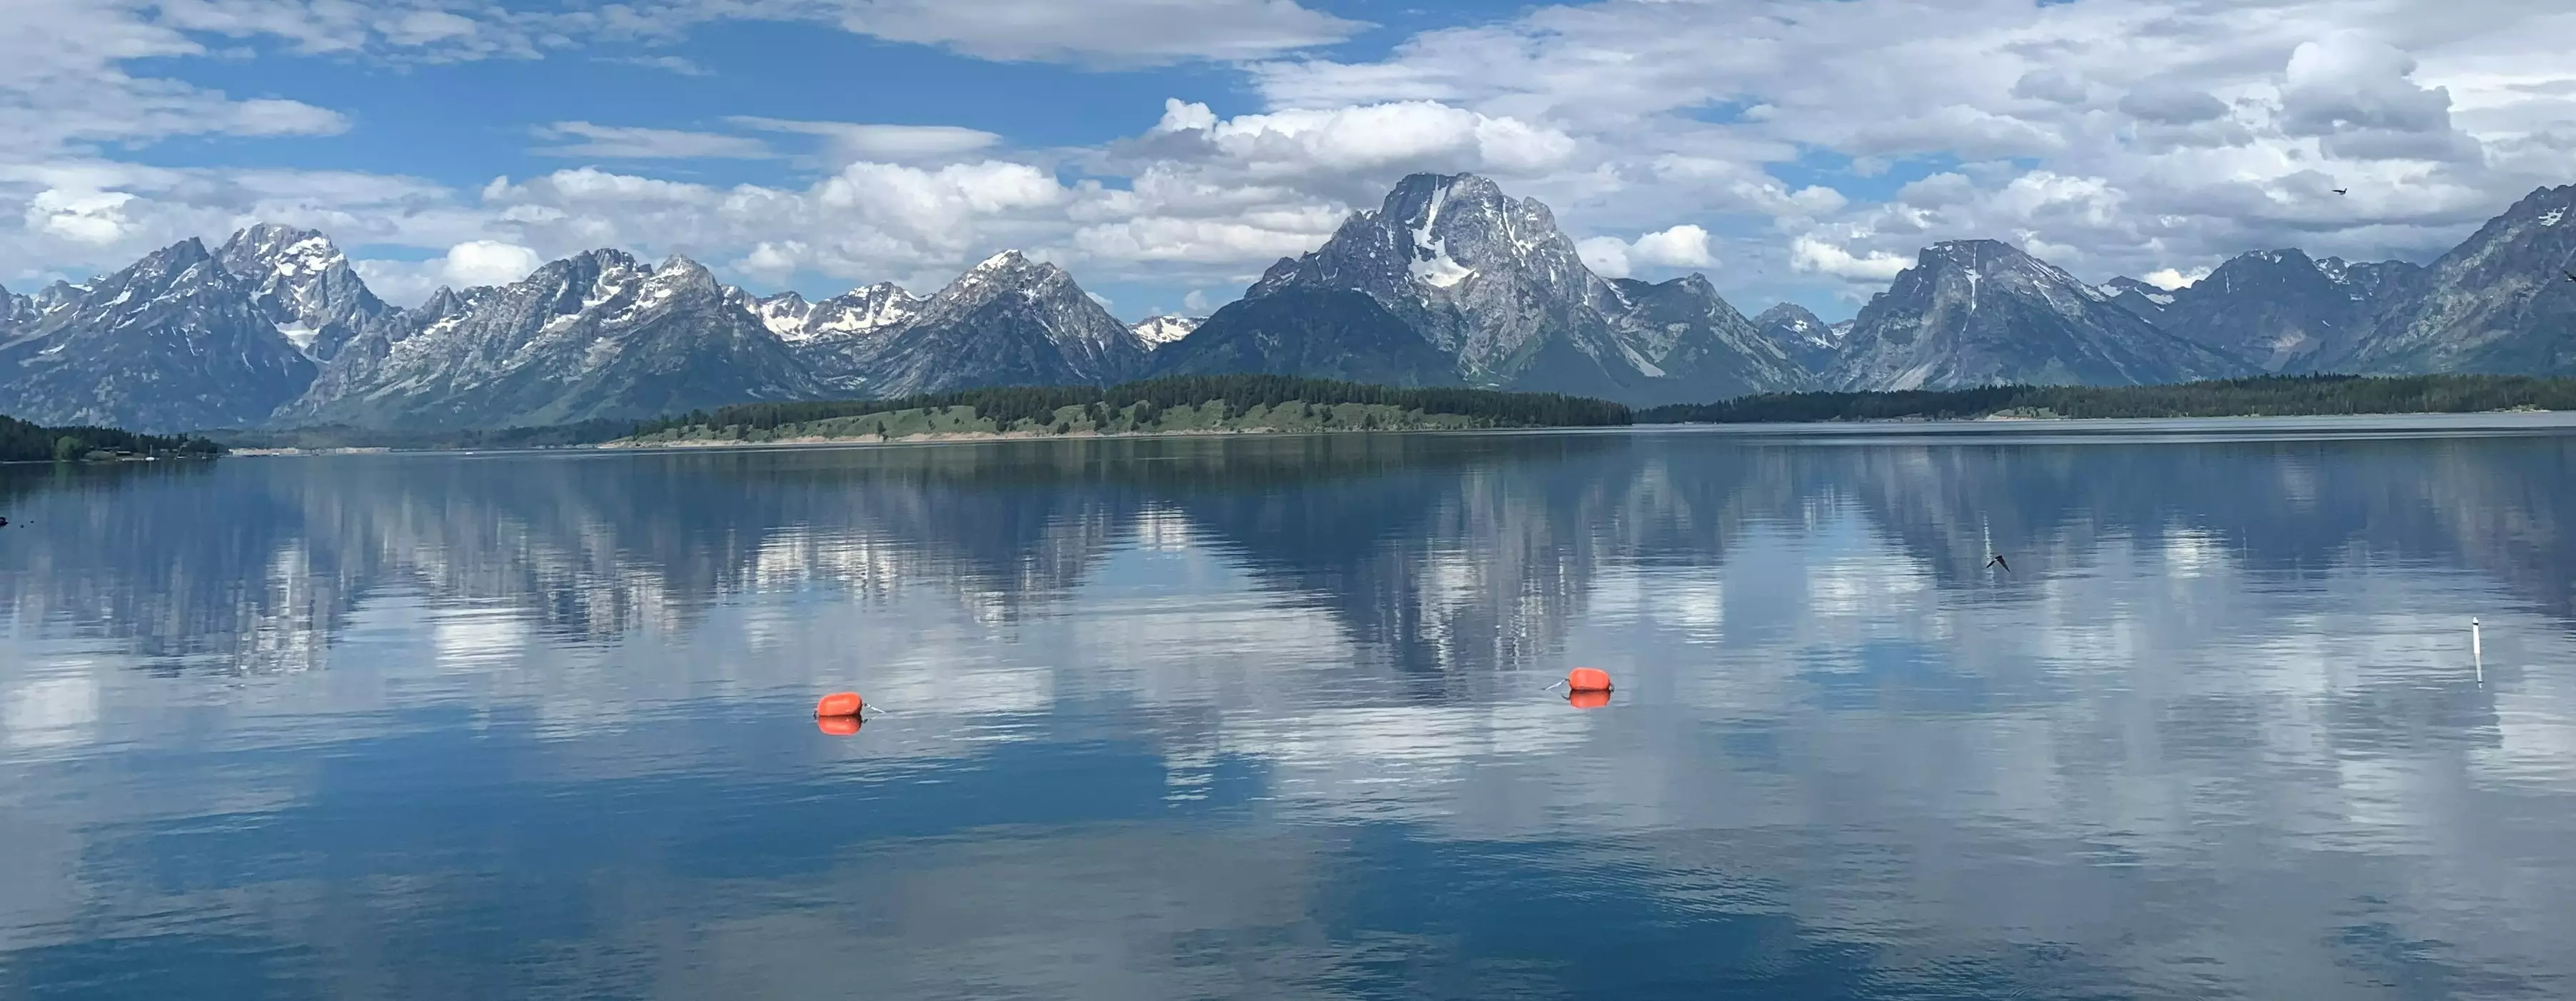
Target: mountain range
[1449, 282]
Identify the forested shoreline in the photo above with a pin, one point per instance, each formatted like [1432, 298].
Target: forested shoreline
[1143, 406]
[26, 441]
[1256, 403]
[2263, 396]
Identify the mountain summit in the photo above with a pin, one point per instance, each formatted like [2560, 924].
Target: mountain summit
[1447, 282]
[1008, 321]
[596, 335]
[2280, 310]
[305, 286]
[2501, 302]
[1979, 312]
[173, 342]
[1498, 291]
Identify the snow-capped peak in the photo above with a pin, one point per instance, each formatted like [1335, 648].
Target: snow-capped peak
[676, 269]
[860, 311]
[1007, 272]
[1157, 331]
[303, 284]
[1004, 261]
[784, 314]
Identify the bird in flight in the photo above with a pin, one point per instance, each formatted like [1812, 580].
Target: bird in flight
[2571, 275]
[1998, 561]
[2343, 191]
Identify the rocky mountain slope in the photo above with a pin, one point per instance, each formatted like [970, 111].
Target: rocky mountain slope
[1975, 312]
[1008, 321]
[1322, 333]
[1492, 283]
[1689, 342]
[598, 335]
[1447, 282]
[172, 343]
[304, 285]
[2503, 302]
[2280, 310]
[2148, 301]
[837, 336]
[1810, 342]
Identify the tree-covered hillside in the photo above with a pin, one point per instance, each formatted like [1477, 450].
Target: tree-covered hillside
[1213, 402]
[2269, 396]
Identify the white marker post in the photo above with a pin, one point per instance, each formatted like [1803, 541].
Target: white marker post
[2478, 649]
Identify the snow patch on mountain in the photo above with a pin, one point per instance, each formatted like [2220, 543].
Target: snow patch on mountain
[861, 312]
[1157, 331]
[1431, 264]
[783, 314]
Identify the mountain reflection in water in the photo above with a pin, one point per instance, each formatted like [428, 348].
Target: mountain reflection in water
[1263, 716]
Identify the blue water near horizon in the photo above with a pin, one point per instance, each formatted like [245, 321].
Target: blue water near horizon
[1263, 717]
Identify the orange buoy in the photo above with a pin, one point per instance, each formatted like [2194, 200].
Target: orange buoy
[1587, 679]
[838, 726]
[839, 704]
[1591, 699]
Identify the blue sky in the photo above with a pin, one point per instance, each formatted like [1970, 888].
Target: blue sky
[1166, 150]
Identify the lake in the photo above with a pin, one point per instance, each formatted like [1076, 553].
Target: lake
[1267, 717]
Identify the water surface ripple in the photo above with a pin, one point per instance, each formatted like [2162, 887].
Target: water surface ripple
[1263, 717]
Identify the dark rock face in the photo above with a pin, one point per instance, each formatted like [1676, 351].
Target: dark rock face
[2281, 311]
[2148, 301]
[1319, 333]
[598, 335]
[2501, 302]
[1691, 346]
[1810, 342]
[172, 343]
[15, 311]
[1980, 312]
[1008, 321]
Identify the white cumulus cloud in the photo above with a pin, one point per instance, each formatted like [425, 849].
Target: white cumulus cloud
[465, 265]
[487, 262]
[1683, 246]
[92, 217]
[1735, 136]
[2170, 279]
[1807, 253]
[1411, 135]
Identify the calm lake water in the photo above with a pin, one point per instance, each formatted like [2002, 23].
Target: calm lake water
[1263, 717]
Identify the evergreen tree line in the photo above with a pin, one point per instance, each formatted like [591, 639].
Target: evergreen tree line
[588, 432]
[24, 441]
[2261, 396]
[1009, 405]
